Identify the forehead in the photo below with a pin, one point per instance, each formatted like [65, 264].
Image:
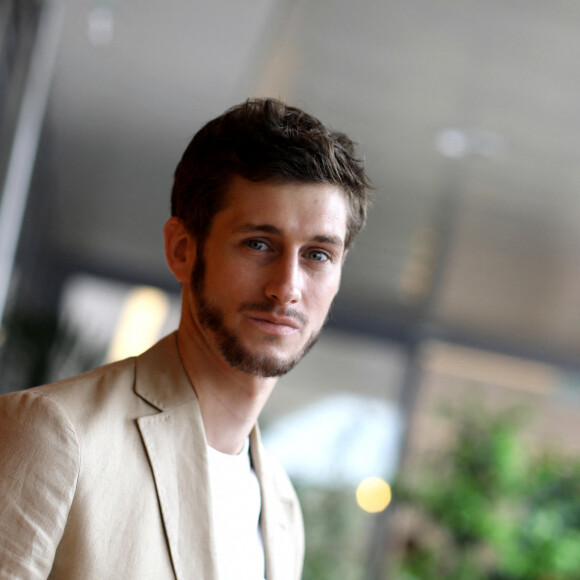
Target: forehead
[308, 209]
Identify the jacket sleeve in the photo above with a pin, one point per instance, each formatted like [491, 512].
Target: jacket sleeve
[39, 464]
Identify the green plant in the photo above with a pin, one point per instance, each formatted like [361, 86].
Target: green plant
[499, 511]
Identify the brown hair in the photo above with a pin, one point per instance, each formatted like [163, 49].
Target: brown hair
[265, 140]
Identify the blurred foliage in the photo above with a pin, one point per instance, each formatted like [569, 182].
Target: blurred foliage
[336, 533]
[493, 509]
[36, 348]
[26, 341]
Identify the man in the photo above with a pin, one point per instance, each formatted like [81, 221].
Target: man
[152, 467]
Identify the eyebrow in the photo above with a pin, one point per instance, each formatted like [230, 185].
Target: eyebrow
[270, 229]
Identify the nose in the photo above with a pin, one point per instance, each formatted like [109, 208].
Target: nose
[284, 283]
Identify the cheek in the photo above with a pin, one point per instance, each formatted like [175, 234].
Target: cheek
[229, 280]
[323, 294]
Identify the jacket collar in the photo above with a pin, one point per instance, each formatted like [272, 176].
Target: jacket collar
[177, 451]
[161, 378]
[278, 514]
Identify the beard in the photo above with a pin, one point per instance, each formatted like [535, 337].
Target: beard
[211, 317]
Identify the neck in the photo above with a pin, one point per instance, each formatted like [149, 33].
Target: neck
[230, 400]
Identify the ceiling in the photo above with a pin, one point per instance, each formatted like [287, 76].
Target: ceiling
[467, 114]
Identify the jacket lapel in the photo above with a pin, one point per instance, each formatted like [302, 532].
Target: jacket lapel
[278, 517]
[176, 448]
[177, 451]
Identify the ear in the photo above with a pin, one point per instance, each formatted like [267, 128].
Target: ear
[179, 249]
[344, 255]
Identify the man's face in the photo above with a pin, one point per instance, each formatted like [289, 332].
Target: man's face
[266, 276]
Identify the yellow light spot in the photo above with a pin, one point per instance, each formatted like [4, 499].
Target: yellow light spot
[373, 494]
[141, 320]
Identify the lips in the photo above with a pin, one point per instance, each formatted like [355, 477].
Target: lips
[268, 317]
[275, 325]
[273, 319]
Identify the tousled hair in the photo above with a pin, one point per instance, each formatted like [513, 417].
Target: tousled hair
[265, 140]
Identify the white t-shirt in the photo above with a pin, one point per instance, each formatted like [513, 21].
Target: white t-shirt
[236, 504]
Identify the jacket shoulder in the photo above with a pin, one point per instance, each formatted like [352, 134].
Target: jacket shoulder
[39, 469]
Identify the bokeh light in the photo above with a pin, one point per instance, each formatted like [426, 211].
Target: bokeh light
[373, 494]
[140, 323]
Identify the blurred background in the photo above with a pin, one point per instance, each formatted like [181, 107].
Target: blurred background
[434, 431]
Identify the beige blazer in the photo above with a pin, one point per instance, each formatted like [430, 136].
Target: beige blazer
[104, 476]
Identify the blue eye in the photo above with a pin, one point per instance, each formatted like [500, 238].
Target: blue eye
[257, 245]
[318, 256]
